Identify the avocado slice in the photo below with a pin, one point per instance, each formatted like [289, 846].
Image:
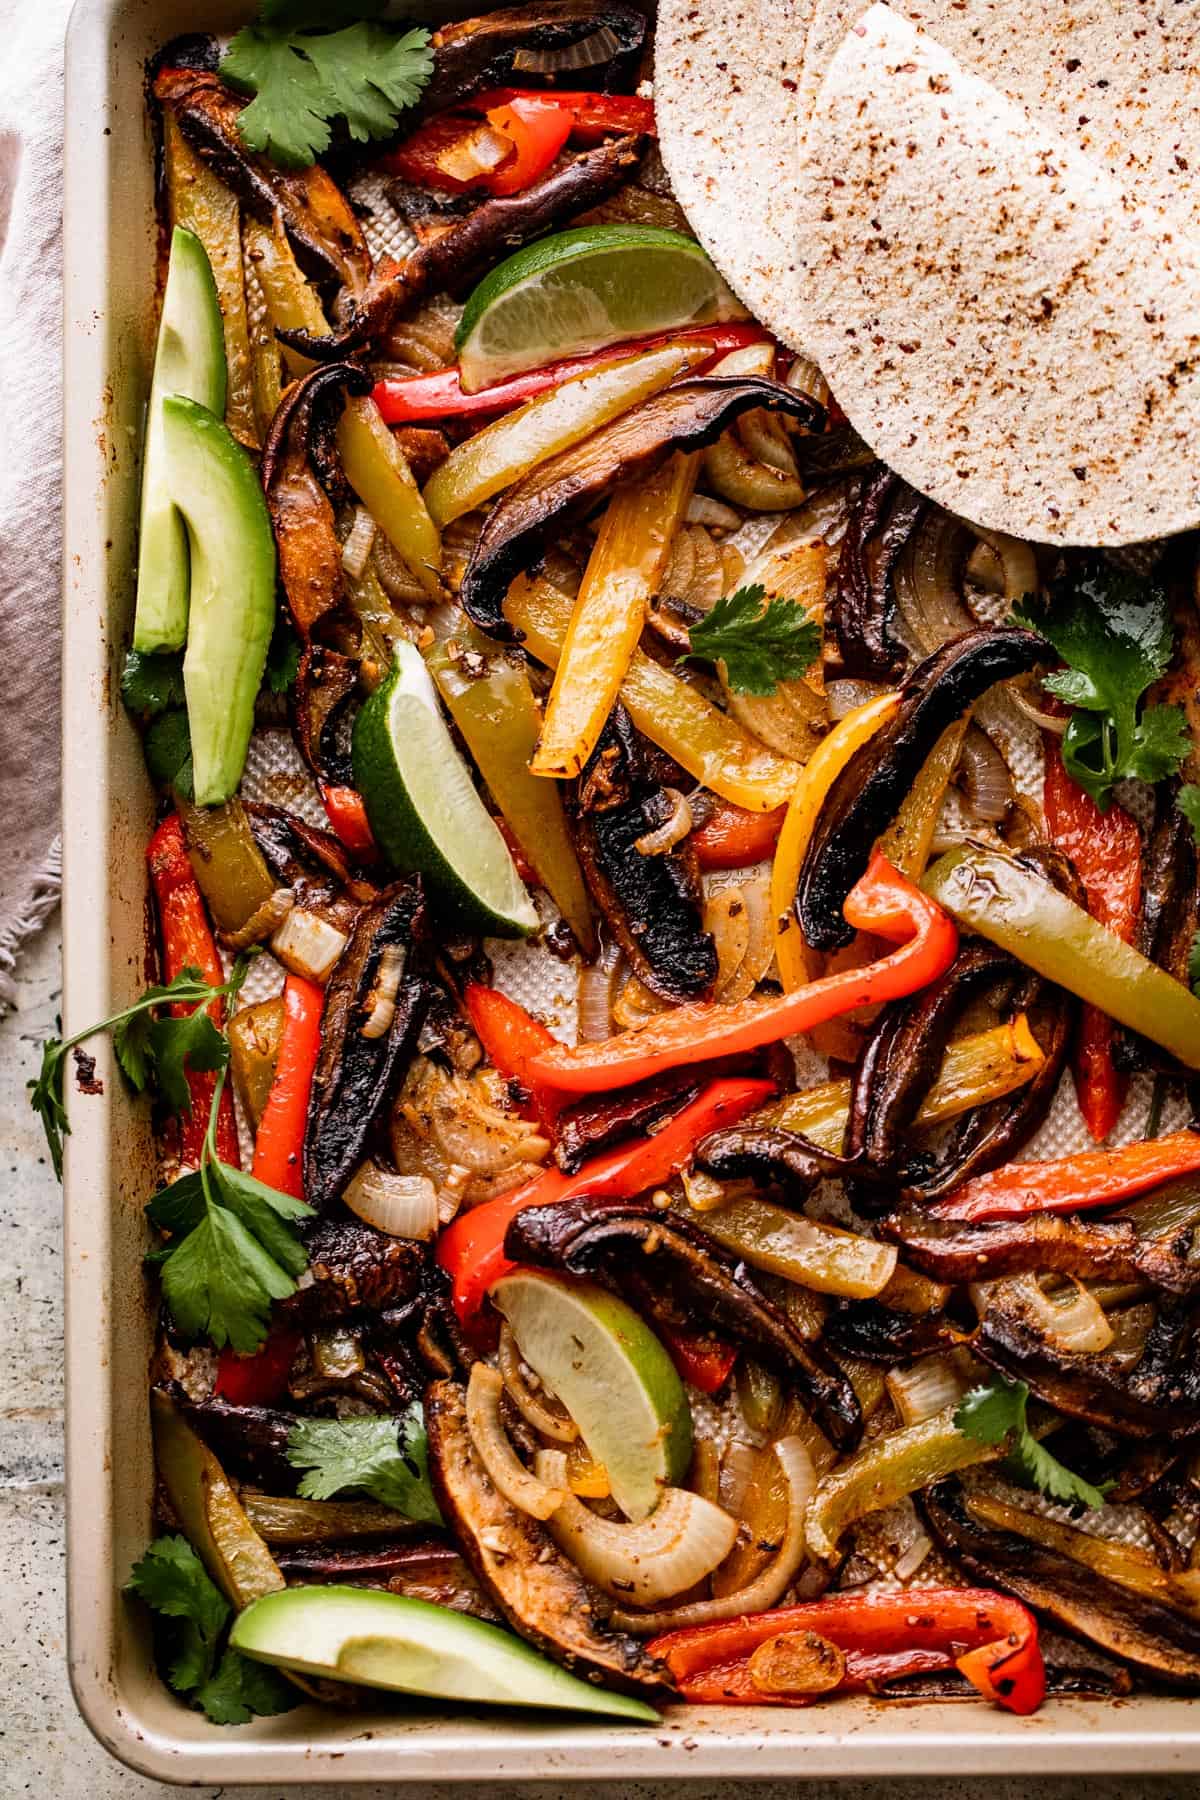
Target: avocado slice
[412, 1647]
[232, 590]
[189, 359]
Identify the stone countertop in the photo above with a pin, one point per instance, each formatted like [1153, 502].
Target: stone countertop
[44, 1746]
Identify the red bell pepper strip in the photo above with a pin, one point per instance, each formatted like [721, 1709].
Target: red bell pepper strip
[261, 1379]
[1073, 1183]
[883, 902]
[407, 398]
[1106, 849]
[279, 1143]
[704, 1360]
[471, 1250]
[991, 1638]
[731, 837]
[592, 115]
[347, 813]
[510, 1037]
[535, 125]
[187, 942]
[538, 128]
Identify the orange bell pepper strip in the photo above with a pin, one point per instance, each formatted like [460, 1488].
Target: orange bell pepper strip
[1106, 849]
[279, 1144]
[471, 1250]
[990, 1638]
[347, 813]
[187, 942]
[731, 837]
[1073, 1183]
[883, 902]
[704, 1360]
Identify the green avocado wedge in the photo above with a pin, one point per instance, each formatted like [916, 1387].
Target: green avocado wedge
[423, 808]
[412, 1647]
[189, 359]
[232, 590]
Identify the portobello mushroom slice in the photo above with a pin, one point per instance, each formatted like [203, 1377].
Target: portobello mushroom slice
[654, 904]
[316, 215]
[769, 1155]
[867, 794]
[355, 1268]
[548, 39]
[1044, 1243]
[539, 1591]
[1167, 919]
[673, 1273]
[862, 607]
[592, 1125]
[363, 1050]
[429, 1570]
[1153, 1638]
[250, 1441]
[692, 413]
[451, 258]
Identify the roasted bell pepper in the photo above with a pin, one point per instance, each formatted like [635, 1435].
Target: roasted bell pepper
[812, 785]
[883, 902]
[731, 837]
[1004, 901]
[347, 813]
[1106, 849]
[624, 572]
[990, 1638]
[704, 1360]
[227, 863]
[592, 115]
[187, 942]
[1072, 1183]
[279, 1143]
[292, 302]
[405, 399]
[438, 155]
[494, 707]
[261, 1379]
[510, 1036]
[471, 1250]
[378, 471]
[538, 128]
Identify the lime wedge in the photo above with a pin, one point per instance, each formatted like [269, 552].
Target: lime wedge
[613, 1376]
[423, 808]
[581, 290]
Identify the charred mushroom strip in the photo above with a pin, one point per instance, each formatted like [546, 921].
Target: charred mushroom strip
[544, 39]
[355, 1071]
[673, 1272]
[424, 1571]
[250, 1441]
[1166, 927]
[767, 1154]
[863, 604]
[354, 1268]
[685, 417]
[1159, 1395]
[867, 794]
[296, 852]
[1150, 1636]
[1044, 1243]
[316, 215]
[451, 259]
[540, 1593]
[654, 904]
[322, 708]
[880, 1334]
[594, 1125]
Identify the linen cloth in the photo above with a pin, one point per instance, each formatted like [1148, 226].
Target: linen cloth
[31, 116]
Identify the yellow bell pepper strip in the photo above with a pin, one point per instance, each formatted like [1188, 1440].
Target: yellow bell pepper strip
[377, 469]
[506, 450]
[812, 785]
[707, 743]
[624, 571]
[1072, 1183]
[200, 200]
[807, 1251]
[996, 896]
[292, 301]
[907, 839]
[883, 902]
[496, 712]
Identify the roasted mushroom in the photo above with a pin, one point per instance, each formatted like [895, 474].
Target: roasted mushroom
[863, 604]
[590, 1126]
[354, 1268]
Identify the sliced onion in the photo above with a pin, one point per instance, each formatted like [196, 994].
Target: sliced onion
[1020, 692]
[804, 377]
[906, 1566]
[307, 944]
[597, 989]
[681, 1542]
[1071, 1319]
[701, 510]
[770, 1585]
[542, 1411]
[843, 696]
[672, 831]
[984, 776]
[1018, 563]
[766, 438]
[742, 478]
[726, 918]
[262, 921]
[695, 574]
[929, 582]
[380, 1003]
[599, 46]
[925, 1388]
[357, 547]
[508, 1473]
[737, 1466]
[401, 1205]
[478, 153]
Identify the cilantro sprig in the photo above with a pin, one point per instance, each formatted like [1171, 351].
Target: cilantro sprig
[1113, 630]
[759, 645]
[996, 1414]
[193, 1616]
[385, 1458]
[303, 75]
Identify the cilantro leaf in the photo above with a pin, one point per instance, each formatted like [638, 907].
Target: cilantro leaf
[302, 79]
[177, 1045]
[267, 1213]
[1188, 802]
[240, 1689]
[179, 1207]
[151, 682]
[283, 656]
[1113, 629]
[237, 1253]
[167, 747]
[996, 1414]
[385, 1458]
[759, 646]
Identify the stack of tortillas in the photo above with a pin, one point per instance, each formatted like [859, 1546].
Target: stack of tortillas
[982, 219]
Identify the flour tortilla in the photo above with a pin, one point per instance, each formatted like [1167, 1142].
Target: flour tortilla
[725, 81]
[1000, 320]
